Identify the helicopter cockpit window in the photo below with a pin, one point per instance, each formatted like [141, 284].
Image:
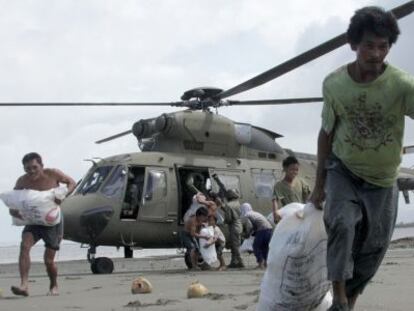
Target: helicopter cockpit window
[264, 183]
[156, 185]
[92, 183]
[115, 184]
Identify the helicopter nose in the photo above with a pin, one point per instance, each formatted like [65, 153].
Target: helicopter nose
[84, 225]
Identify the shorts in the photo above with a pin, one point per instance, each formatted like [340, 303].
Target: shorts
[50, 235]
[189, 242]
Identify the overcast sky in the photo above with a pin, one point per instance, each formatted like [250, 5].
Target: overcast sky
[151, 51]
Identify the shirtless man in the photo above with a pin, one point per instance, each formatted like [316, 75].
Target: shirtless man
[191, 234]
[41, 179]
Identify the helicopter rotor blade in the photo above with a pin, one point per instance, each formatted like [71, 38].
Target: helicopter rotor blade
[113, 137]
[283, 101]
[68, 104]
[306, 57]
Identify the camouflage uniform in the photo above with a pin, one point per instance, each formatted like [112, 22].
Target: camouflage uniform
[232, 219]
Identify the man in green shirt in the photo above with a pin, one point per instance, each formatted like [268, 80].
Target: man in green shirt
[359, 152]
[291, 188]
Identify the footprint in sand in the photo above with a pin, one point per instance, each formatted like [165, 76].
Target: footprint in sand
[253, 293]
[159, 302]
[215, 296]
[73, 278]
[94, 288]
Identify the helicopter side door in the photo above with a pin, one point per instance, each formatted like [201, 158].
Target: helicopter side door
[156, 195]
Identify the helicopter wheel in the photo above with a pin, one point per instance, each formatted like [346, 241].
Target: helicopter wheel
[128, 252]
[102, 265]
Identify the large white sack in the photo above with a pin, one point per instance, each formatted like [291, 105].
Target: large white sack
[296, 275]
[287, 210]
[247, 245]
[326, 303]
[209, 254]
[35, 207]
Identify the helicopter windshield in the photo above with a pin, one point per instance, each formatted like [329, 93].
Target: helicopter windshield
[115, 184]
[92, 183]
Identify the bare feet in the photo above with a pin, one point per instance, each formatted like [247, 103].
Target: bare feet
[53, 291]
[221, 268]
[19, 291]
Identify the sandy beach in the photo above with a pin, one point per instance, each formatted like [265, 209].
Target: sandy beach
[391, 289]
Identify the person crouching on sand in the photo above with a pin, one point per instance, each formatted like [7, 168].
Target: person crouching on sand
[191, 233]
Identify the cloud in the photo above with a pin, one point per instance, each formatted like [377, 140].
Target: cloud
[152, 51]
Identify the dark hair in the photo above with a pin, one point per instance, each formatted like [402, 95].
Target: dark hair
[202, 211]
[32, 156]
[212, 195]
[289, 161]
[374, 20]
[232, 194]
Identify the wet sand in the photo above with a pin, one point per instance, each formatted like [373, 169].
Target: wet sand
[391, 289]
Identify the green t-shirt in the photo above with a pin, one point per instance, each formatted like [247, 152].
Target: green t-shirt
[368, 121]
[298, 191]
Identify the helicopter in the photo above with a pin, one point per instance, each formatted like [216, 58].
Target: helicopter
[102, 212]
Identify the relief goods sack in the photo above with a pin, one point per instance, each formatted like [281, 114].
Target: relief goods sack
[247, 245]
[35, 207]
[209, 254]
[296, 274]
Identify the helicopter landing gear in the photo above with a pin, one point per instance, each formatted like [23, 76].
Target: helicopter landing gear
[100, 265]
[128, 252]
[91, 254]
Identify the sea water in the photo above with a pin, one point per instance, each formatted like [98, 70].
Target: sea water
[74, 251]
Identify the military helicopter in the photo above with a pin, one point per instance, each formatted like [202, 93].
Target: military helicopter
[138, 200]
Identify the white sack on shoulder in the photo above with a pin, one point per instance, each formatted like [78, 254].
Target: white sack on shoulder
[35, 207]
[296, 274]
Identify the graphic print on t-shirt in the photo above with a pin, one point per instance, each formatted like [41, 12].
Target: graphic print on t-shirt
[371, 127]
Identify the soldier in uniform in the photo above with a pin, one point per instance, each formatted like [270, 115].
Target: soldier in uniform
[232, 217]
